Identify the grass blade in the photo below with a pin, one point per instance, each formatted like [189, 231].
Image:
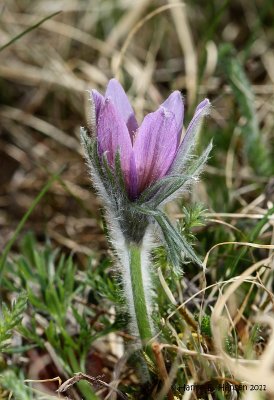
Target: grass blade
[21, 224]
[255, 149]
[21, 34]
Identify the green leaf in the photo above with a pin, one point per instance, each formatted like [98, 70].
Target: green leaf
[176, 244]
[11, 318]
[19, 390]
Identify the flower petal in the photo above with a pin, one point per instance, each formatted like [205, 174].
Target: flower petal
[117, 94]
[98, 101]
[174, 104]
[155, 146]
[190, 135]
[113, 135]
[131, 178]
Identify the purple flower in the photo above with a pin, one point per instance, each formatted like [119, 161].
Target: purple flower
[147, 152]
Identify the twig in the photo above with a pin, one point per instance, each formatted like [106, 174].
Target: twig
[162, 369]
[81, 376]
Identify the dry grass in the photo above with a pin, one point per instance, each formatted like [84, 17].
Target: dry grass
[153, 47]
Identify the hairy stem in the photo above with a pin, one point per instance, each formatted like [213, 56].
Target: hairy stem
[138, 294]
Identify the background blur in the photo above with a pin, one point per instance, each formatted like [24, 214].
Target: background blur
[51, 52]
[217, 49]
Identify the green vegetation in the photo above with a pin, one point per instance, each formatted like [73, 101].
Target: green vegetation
[62, 308]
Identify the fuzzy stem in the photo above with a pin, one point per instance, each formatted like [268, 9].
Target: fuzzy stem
[138, 293]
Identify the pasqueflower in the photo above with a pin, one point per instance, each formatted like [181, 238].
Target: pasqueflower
[147, 152]
[136, 170]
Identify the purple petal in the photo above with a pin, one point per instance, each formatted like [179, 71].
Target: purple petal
[191, 133]
[155, 147]
[98, 100]
[113, 135]
[174, 104]
[131, 178]
[192, 129]
[119, 98]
